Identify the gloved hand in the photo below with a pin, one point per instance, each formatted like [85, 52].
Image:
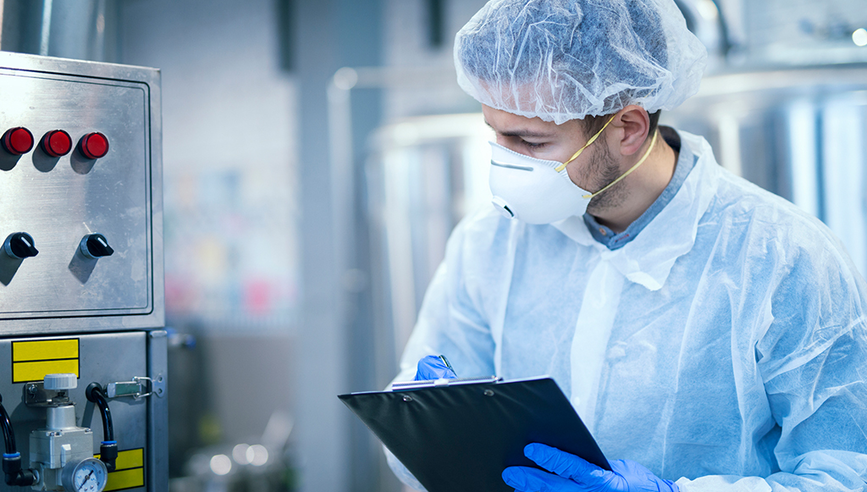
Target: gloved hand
[432, 367]
[573, 474]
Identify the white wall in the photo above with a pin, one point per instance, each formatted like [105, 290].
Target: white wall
[229, 154]
[406, 46]
[230, 179]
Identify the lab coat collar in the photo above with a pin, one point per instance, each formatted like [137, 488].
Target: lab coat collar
[647, 259]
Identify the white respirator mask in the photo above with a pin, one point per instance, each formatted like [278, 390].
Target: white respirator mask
[537, 191]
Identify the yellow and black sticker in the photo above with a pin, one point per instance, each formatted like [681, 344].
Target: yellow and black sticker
[31, 361]
[128, 470]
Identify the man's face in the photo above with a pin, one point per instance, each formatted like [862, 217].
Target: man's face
[591, 171]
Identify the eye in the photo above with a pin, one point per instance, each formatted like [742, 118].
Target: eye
[533, 145]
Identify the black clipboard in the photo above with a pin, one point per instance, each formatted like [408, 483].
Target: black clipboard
[459, 435]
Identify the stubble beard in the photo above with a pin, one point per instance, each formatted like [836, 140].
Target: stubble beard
[605, 170]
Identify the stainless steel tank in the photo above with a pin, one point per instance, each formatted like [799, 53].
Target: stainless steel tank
[798, 132]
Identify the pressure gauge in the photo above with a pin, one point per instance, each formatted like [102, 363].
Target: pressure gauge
[89, 475]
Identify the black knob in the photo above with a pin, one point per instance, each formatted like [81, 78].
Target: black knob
[95, 246]
[20, 245]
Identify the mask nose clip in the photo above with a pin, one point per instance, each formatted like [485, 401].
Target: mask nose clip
[503, 207]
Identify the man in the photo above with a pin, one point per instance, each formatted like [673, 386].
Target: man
[711, 335]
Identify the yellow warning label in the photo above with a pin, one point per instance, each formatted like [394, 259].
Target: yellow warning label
[23, 372]
[134, 458]
[125, 479]
[128, 472]
[31, 361]
[45, 350]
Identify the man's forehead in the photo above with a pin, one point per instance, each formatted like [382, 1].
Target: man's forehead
[509, 124]
[521, 132]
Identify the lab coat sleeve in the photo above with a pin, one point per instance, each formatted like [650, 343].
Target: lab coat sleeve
[451, 322]
[813, 363]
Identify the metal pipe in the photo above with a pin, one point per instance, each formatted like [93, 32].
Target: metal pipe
[45, 33]
[2, 2]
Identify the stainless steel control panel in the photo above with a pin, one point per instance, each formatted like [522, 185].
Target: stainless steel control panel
[90, 209]
[140, 423]
[81, 276]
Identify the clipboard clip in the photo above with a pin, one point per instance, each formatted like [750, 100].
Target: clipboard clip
[437, 383]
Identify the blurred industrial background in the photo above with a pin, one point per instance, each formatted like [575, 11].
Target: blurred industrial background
[317, 154]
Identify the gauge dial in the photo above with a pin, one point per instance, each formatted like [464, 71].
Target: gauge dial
[90, 475]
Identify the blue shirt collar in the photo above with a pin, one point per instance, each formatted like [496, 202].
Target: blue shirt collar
[685, 162]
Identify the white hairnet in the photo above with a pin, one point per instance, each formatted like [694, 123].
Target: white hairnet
[566, 59]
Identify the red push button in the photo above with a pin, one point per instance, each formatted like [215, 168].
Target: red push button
[94, 145]
[56, 143]
[18, 140]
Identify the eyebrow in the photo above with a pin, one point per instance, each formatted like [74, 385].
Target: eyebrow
[521, 133]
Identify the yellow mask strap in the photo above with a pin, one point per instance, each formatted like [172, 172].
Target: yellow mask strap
[576, 154]
[633, 168]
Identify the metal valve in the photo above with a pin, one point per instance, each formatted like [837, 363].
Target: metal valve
[62, 453]
[60, 382]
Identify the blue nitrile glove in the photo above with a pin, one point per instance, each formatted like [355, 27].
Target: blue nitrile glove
[433, 367]
[573, 474]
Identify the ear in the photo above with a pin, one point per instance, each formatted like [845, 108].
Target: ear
[633, 125]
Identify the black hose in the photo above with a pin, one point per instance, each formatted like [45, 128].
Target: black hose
[8, 434]
[95, 393]
[14, 474]
[108, 448]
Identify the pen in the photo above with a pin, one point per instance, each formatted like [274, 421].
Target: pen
[446, 362]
